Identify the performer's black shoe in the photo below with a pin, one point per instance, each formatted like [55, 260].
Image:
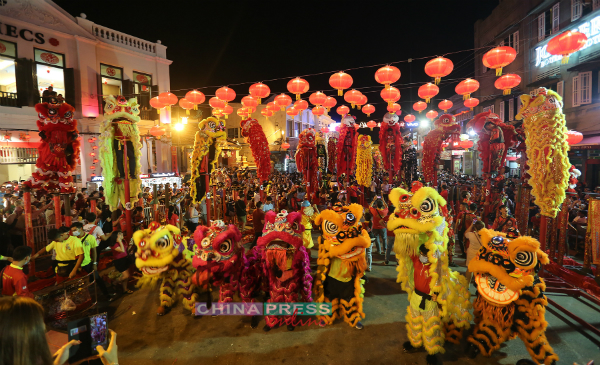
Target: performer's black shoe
[266, 328]
[254, 321]
[408, 347]
[290, 327]
[472, 351]
[432, 360]
[525, 362]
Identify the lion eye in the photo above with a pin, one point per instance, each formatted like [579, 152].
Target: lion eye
[162, 242]
[525, 258]
[205, 242]
[225, 246]
[330, 227]
[427, 205]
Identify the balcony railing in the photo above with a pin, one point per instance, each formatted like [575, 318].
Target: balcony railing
[17, 155]
[113, 36]
[8, 99]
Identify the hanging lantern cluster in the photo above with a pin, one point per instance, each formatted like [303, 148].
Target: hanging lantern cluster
[390, 95]
[93, 147]
[167, 99]
[353, 97]
[438, 67]
[340, 81]
[225, 94]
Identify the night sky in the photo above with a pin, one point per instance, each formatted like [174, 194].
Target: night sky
[216, 43]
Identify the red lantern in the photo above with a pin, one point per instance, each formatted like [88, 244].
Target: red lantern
[391, 95]
[157, 131]
[95, 160]
[368, 109]
[340, 81]
[371, 124]
[499, 57]
[324, 130]
[259, 91]
[243, 112]
[216, 103]
[317, 98]
[196, 97]
[428, 91]
[93, 167]
[90, 140]
[574, 137]
[297, 86]
[266, 113]
[301, 105]
[507, 82]
[432, 114]
[217, 112]
[445, 105]
[419, 106]
[92, 154]
[438, 67]
[362, 100]
[415, 142]
[387, 75]
[329, 103]
[167, 98]
[466, 144]
[249, 100]
[272, 106]
[393, 108]
[352, 97]
[93, 147]
[186, 104]
[228, 109]
[471, 102]
[409, 118]
[285, 145]
[318, 110]
[94, 139]
[292, 112]
[466, 87]
[566, 43]
[226, 94]
[155, 103]
[343, 110]
[283, 100]
[92, 175]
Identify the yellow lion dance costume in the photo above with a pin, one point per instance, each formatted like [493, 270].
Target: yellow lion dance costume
[210, 140]
[342, 264]
[364, 161]
[547, 148]
[439, 299]
[121, 118]
[159, 256]
[510, 297]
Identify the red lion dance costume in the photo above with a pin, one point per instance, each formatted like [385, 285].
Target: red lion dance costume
[306, 157]
[346, 147]
[445, 125]
[259, 145]
[59, 150]
[390, 145]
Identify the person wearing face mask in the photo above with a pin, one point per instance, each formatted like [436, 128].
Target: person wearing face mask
[69, 253]
[14, 281]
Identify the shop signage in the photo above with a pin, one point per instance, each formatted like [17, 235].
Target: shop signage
[586, 147]
[25, 34]
[590, 28]
[163, 174]
[97, 178]
[412, 125]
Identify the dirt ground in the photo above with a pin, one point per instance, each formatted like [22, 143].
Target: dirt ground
[178, 338]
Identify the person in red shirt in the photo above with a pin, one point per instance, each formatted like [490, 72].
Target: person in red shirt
[173, 218]
[379, 210]
[121, 261]
[444, 192]
[391, 237]
[14, 281]
[258, 222]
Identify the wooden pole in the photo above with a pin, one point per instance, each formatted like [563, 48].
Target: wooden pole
[543, 228]
[552, 232]
[29, 227]
[67, 205]
[57, 215]
[127, 204]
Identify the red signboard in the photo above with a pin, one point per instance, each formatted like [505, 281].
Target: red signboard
[174, 159]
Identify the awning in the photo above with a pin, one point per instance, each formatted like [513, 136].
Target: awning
[545, 81]
[591, 142]
[588, 65]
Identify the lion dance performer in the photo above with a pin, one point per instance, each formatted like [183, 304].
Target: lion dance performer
[159, 256]
[210, 140]
[444, 126]
[279, 265]
[547, 148]
[259, 145]
[218, 260]
[342, 264]
[346, 147]
[364, 161]
[331, 154]
[306, 158]
[321, 155]
[437, 295]
[59, 150]
[118, 130]
[390, 145]
[510, 298]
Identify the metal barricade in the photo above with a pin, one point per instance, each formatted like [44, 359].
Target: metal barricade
[40, 237]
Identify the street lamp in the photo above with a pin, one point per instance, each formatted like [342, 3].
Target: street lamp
[179, 127]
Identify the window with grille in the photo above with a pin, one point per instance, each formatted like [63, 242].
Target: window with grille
[555, 18]
[512, 41]
[233, 133]
[576, 9]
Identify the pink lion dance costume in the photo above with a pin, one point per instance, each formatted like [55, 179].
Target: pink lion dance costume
[278, 265]
[444, 126]
[390, 144]
[259, 145]
[306, 157]
[346, 147]
[218, 259]
[59, 150]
